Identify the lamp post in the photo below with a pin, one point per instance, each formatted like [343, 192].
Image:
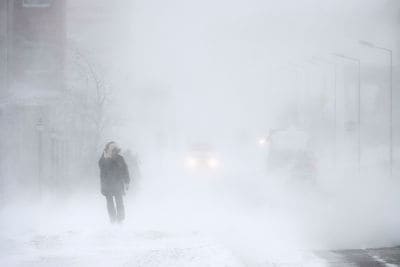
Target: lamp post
[40, 128]
[358, 62]
[390, 52]
[333, 64]
[298, 70]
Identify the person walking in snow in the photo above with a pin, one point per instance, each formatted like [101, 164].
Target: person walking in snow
[114, 180]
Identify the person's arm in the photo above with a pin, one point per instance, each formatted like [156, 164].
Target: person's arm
[125, 172]
[101, 167]
[102, 174]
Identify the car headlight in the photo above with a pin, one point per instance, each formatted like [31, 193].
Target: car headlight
[191, 162]
[262, 141]
[212, 163]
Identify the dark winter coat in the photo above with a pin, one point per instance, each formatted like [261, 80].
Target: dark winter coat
[113, 175]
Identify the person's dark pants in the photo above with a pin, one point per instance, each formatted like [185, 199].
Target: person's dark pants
[116, 211]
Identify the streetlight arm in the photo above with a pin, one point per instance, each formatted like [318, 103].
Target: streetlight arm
[371, 45]
[347, 57]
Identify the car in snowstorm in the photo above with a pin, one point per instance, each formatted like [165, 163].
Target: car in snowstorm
[289, 151]
[202, 157]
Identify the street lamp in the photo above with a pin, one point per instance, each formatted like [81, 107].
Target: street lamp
[390, 52]
[358, 62]
[327, 62]
[300, 71]
[40, 129]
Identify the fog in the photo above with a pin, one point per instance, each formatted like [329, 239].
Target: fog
[255, 132]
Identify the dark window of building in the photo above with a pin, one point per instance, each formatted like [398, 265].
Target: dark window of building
[36, 3]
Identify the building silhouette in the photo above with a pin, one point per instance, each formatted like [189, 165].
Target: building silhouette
[32, 52]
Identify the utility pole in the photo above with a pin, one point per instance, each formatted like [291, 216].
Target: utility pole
[40, 128]
[333, 64]
[358, 62]
[390, 53]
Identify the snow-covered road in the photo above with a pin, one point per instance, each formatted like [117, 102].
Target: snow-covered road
[122, 246]
[185, 227]
[115, 246]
